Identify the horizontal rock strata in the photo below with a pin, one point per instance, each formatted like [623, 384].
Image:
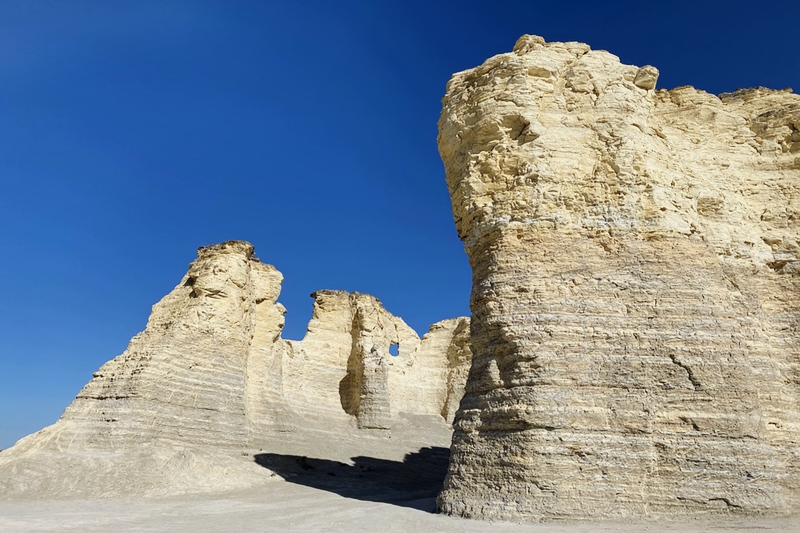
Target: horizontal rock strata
[342, 369]
[635, 291]
[210, 378]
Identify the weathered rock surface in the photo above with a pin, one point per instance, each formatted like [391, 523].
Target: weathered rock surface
[635, 291]
[211, 379]
[342, 369]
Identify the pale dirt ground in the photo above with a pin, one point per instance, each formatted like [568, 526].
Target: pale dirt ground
[313, 484]
[286, 506]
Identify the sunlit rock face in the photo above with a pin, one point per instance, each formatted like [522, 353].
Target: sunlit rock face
[342, 371]
[635, 291]
[210, 381]
[184, 377]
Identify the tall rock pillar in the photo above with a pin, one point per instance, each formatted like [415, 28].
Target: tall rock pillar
[635, 291]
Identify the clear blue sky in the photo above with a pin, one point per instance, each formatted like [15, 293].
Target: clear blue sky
[133, 132]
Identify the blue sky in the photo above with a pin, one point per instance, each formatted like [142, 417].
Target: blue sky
[133, 132]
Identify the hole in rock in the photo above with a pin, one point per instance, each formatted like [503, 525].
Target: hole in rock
[298, 313]
[394, 350]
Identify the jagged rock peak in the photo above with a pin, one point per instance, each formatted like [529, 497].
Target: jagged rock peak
[645, 77]
[227, 247]
[636, 266]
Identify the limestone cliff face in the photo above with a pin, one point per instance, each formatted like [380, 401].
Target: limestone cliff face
[343, 361]
[189, 367]
[428, 383]
[635, 290]
[210, 377]
[343, 371]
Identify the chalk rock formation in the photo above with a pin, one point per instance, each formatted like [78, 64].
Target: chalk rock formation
[211, 377]
[342, 369]
[635, 291]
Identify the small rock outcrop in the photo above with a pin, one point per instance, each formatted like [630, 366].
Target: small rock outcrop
[636, 272]
[210, 378]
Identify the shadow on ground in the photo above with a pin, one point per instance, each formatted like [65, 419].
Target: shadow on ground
[413, 482]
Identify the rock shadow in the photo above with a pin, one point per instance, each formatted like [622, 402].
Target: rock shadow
[414, 482]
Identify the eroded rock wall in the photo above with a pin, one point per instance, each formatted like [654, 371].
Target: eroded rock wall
[340, 370]
[635, 282]
[183, 377]
[210, 378]
[431, 379]
[343, 370]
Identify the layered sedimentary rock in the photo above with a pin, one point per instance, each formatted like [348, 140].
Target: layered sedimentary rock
[342, 369]
[635, 291]
[211, 377]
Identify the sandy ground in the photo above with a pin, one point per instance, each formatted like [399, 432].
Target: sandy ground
[370, 486]
[289, 507]
[309, 494]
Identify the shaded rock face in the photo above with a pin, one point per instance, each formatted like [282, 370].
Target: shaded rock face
[211, 377]
[635, 291]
